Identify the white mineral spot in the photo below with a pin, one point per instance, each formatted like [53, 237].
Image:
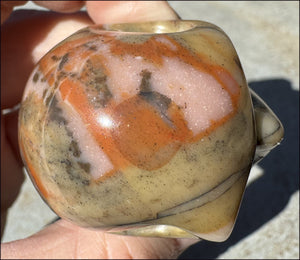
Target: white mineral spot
[105, 121]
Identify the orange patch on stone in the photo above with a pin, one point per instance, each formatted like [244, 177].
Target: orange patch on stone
[143, 137]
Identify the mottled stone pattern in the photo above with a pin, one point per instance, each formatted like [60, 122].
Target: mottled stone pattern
[154, 126]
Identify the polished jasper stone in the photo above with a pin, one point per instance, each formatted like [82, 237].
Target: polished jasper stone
[119, 128]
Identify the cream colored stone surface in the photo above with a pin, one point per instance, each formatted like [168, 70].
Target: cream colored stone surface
[266, 37]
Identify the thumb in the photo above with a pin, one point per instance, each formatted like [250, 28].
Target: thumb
[129, 11]
[65, 240]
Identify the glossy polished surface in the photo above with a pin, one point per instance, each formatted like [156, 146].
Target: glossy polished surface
[141, 123]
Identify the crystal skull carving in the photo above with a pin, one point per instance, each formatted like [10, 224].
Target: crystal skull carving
[143, 129]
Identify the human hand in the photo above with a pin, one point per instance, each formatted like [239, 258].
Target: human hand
[26, 37]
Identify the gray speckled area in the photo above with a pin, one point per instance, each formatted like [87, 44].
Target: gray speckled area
[266, 37]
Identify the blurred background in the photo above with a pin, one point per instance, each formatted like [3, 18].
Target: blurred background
[266, 37]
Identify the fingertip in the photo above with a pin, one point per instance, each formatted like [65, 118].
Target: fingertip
[61, 6]
[129, 11]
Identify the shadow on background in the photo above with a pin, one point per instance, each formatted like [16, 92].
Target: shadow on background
[268, 195]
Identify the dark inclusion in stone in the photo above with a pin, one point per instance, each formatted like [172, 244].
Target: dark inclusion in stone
[73, 174]
[160, 102]
[55, 58]
[85, 166]
[96, 85]
[55, 112]
[36, 77]
[63, 61]
[91, 46]
[74, 148]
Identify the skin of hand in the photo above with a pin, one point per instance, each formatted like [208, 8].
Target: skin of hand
[38, 31]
